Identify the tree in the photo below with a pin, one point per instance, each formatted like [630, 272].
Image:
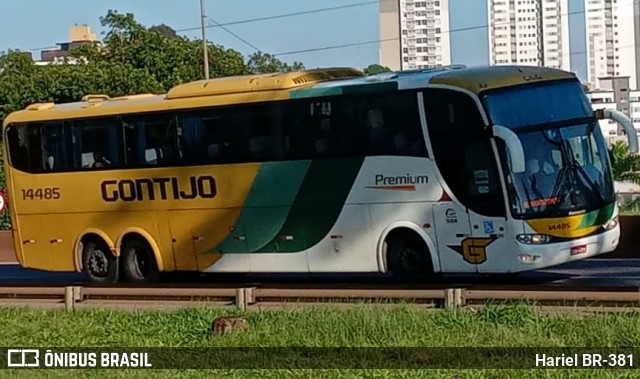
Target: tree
[130, 59]
[261, 63]
[375, 69]
[625, 166]
[164, 30]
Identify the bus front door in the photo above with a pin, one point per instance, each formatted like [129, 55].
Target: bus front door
[491, 245]
[453, 235]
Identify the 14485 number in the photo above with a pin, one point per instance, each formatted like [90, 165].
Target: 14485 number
[41, 193]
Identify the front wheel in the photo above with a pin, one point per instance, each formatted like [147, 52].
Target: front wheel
[99, 264]
[408, 256]
[139, 262]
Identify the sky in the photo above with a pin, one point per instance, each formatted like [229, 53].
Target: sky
[35, 24]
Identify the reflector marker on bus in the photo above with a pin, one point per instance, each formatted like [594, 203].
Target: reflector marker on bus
[445, 196]
[286, 238]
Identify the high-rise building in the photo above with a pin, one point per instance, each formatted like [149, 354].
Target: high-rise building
[613, 36]
[414, 34]
[636, 23]
[529, 32]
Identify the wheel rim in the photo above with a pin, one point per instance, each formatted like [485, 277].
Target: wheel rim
[140, 263]
[98, 263]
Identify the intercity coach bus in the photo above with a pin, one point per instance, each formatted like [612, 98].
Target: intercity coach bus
[447, 170]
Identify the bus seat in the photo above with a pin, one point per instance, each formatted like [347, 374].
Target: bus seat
[87, 160]
[401, 141]
[50, 162]
[258, 146]
[380, 137]
[152, 156]
[322, 146]
[213, 151]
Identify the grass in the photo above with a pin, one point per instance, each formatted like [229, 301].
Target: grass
[498, 326]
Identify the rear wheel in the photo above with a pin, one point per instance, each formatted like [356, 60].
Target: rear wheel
[139, 262]
[408, 256]
[98, 263]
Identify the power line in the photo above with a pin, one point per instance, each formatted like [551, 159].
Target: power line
[476, 27]
[258, 19]
[285, 15]
[356, 44]
[235, 35]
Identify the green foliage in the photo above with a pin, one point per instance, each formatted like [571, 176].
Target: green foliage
[261, 63]
[376, 69]
[625, 165]
[131, 59]
[360, 326]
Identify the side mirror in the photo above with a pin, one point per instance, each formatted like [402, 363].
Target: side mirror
[514, 148]
[627, 125]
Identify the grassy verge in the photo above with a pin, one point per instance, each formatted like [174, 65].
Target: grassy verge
[499, 326]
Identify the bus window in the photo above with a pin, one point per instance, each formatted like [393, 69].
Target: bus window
[95, 144]
[308, 129]
[390, 124]
[54, 147]
[250, 133]
[463, 152]
[150, 140]
[25, 148]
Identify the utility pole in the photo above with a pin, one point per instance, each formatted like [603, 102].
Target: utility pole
[204, 40]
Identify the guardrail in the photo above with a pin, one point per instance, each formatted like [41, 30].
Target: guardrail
[242, 298]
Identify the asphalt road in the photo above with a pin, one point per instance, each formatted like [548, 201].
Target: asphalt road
[596, 273]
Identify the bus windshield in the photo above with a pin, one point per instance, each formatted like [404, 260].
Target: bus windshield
[567, 162]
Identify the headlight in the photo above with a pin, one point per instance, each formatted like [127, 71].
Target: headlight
[611, 223]
[533, 239]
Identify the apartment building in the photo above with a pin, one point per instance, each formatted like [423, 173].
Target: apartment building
[529, 32]
[615, 93]
[78, 36]
[414, 34]
[613, 40]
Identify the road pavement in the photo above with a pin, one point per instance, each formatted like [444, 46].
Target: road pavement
[587, 273]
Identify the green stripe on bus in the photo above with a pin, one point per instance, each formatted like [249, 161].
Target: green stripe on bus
[597, 217]
[364, 88]
[316, 209]
[266, 206]
[315, 92]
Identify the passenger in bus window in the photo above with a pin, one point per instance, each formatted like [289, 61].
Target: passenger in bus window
[99, 160]
[380, 136]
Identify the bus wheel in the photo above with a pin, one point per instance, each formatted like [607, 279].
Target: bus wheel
[139, 262]
[408, 256]
[98, 263]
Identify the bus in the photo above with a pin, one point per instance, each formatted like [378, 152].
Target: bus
[494, 170]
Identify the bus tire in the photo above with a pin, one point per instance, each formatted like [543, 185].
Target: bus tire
[98, 263]
[408, 255]
[138, 262]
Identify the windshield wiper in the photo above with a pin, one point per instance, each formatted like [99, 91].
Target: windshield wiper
[579, 169]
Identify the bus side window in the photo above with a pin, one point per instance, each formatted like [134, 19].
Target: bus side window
[55, 147]
[386, 124]
[151, 140]
[96, 143]
[25, 146]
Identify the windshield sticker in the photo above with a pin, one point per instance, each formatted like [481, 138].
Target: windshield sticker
[541, 202]
[481, 176]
